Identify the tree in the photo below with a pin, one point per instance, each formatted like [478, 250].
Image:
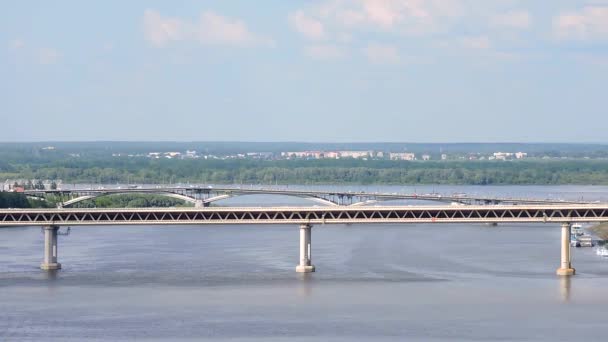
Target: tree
[53, 185]
[39, 185]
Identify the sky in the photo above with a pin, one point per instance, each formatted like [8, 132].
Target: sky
[324, 71]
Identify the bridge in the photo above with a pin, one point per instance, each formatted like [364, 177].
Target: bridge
[203, 196]
[305, 217]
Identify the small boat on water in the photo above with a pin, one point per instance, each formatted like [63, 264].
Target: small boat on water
[578, 237]
[577, 229]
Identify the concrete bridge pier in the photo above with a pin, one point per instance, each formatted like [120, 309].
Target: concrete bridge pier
[305, 265]
[565, 268]
[50, 249]
[199, 203]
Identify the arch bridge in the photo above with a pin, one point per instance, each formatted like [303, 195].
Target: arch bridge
[204, 196]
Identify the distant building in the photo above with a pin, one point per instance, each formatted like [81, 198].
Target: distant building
[304, 154]
[260, 155]
[509, 155]
[402, 156]
[444, 156]
[331, 155]
[355, 154]
[503, 155]
[191, 154]
[426, 157]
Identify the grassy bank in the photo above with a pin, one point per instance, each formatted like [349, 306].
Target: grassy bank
[601, 230]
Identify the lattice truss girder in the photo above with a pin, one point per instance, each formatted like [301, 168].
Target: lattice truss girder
[304, 215]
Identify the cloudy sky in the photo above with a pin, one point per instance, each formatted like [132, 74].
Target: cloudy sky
[327, 70]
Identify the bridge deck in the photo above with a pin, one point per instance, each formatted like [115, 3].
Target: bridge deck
[302, 215]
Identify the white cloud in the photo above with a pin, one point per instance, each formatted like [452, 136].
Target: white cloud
[324, 51]
[405, 16]
[48, 55]
[216, 29]
[307, 26]
[16, 44]
[382, 54]
[159, 31]
[107, 47]
[589, 23]
[211, 29]
[33, 53]
[465, 25]
[478, 42]
[513, 19]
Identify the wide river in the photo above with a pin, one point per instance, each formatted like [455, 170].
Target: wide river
[373, 282]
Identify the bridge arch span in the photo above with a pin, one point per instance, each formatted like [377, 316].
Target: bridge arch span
[236, 194]
[381, 200]
[161, 193]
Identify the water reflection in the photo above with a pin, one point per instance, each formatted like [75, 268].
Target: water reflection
[305, 287]
[564, 288]
[50, 275]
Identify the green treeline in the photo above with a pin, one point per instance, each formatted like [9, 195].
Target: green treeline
[13, 200]
[19, 200]
[130, 201]
[344, 171]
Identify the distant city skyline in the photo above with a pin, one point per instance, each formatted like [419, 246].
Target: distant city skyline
[433, 71]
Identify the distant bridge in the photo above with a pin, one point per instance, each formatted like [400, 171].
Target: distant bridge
[51, 219]
[203, 196]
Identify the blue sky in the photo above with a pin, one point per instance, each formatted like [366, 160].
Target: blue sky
[332, 70]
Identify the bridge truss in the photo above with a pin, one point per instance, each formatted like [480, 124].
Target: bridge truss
[52, 219]
[307, 215]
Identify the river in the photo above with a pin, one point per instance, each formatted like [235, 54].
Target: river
[433, 282]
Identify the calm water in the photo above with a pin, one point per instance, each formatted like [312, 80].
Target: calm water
[375, 282]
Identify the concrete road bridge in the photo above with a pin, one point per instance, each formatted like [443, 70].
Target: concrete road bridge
[203, 196]
[562, 215]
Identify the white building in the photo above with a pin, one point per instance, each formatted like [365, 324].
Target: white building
[355, 154]
[503, 155]
[402, 156]
[304, 154]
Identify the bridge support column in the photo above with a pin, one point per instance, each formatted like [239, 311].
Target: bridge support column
[305, 265]
[199, 204]
[565, 268]
[50, 249]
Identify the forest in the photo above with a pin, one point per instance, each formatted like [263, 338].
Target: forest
[111, 170]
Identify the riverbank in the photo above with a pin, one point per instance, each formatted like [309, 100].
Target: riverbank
[112, 170]
[601, 230]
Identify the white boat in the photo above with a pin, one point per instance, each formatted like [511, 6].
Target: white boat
[578, 237]
[577, 229]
